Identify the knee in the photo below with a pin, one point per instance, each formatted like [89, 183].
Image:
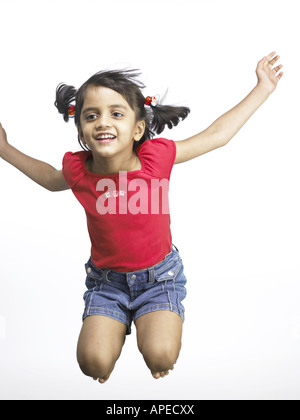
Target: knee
[160, 357]
[95, 365]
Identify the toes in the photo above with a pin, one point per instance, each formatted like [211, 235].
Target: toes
[102, 380]
[157, 375]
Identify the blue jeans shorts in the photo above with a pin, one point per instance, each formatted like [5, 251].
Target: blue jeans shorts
[127, 296]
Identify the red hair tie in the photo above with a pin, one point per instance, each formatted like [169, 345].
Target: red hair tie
[151, 101]
[71, 111]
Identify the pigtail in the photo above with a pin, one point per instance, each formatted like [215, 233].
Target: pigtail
[65, 97]
[167, 115]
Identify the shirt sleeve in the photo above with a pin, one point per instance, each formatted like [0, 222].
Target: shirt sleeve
[72, 168]
[158, 157]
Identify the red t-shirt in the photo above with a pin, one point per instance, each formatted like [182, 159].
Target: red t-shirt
[127, 213]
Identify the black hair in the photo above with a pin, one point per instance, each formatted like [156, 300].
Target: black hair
[126, 83]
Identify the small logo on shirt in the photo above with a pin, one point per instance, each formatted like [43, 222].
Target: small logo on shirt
[136, 196]
[114, 194]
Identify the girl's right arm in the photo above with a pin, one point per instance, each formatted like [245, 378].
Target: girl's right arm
[40, 172]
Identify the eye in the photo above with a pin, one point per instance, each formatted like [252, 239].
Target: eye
[91, 117]
[117, 114]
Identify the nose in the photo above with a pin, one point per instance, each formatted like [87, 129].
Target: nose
[103, 121]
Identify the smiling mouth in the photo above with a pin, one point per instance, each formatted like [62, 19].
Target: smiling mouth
[105, 138]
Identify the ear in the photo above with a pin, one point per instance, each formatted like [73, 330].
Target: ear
[139, 130]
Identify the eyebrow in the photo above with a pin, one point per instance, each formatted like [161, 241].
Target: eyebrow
[89, 109]
[93, 108]
[118, 106]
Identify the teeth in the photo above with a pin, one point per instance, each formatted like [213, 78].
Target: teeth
[105, 136]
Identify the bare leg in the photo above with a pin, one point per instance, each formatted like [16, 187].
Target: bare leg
[159, 340]
[99, 346]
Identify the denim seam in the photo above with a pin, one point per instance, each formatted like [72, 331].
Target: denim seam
[171, 306]
[157, 307]
[107, 311]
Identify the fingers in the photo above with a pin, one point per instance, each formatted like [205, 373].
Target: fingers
[276, 70]
[269, 56]
[271, 59]
[279, 76]
[268, 63]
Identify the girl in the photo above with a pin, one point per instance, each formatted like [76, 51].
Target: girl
[121, 179]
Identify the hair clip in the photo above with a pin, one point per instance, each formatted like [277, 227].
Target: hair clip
[71, 111]
[151, 101]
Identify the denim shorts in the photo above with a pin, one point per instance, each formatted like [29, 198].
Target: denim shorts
[127, 296]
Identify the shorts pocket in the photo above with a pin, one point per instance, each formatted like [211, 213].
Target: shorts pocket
[169, 271]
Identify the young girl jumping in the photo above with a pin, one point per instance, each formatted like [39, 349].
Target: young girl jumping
[121, 179]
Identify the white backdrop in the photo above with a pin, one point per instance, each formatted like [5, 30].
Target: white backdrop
[235, 211]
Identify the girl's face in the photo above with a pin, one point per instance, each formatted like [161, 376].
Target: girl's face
[108, 125]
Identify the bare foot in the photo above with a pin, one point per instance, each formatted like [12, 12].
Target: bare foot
[104, 378]
[157, 375]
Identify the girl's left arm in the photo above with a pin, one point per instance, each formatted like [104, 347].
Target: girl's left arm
[226, 126]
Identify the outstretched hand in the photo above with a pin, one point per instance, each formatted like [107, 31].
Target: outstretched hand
[268, 76]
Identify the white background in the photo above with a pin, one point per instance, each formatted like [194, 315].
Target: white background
[235, 211]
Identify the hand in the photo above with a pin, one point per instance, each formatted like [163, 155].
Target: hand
[267, 75]
[3, 140]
